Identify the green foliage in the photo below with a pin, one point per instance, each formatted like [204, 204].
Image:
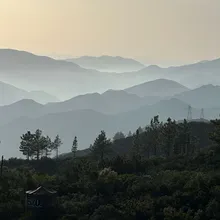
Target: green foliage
[101, 147]
[154, 135]
[56, 145]
[170, 134]
[74, 147]
[26, 144]
[160, 173]
[35, 145]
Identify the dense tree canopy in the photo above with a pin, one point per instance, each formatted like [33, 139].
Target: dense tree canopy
[163, 172]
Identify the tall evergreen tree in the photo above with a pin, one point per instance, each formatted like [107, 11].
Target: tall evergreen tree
[26, 144]
[169, 135]
[154, 134]
[101, 146]
[56, 145]
[38, 144]
[46, 146]
[74, 147]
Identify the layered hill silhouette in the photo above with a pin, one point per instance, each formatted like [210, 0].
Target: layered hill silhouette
[111, 101]
[192, 75]
[67, 79]
[10, 94]
[115, 101]
[84, 123]
[32, 72]
[159, 87]
[108, 63]
[206, 96]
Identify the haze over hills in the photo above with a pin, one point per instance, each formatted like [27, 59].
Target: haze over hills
[66, 79]
[22, 108]
[61, 78]
[42, 97]
[159, 87]
[108, 63]
[206, 96]
[10, 94]
[110, 101]
[119, 101]
[84, 123]
[192, 75]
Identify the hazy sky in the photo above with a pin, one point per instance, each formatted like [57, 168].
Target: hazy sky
[153, 31]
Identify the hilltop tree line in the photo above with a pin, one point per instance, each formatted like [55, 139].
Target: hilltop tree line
[36, 145]
[157, 139]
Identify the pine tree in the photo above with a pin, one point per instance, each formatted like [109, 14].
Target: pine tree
[35, 145]
[56, 145]
[169, 135]
[101, 146]
[154, 135]
[46, 146]
[26, 144]
[38, 144]
[74, 146]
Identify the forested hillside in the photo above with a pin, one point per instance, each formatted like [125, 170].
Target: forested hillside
[164, 171]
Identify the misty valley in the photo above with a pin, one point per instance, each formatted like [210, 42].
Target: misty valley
[109, 110]
[108, 138]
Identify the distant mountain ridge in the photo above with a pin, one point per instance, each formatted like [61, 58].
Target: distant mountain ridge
[159, 87]
[83, 123]
[67, 79]
[11, 59]
[192, 75]
[108, 63]
[33, 72]
[206, 96]
[113, 102]
[10, 94]
[109, 102]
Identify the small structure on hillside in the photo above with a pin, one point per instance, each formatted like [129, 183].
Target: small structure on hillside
[40, 202]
